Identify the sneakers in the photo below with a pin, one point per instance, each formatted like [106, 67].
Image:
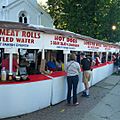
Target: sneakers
[76, 104]
[85, 95]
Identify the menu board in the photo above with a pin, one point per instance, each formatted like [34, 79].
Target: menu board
[13, 38]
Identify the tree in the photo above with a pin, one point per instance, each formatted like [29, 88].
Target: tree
[91, 17]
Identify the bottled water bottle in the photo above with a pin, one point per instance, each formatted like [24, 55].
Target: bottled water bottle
[3, 74]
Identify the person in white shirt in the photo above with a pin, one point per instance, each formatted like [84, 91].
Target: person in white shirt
[73, 69]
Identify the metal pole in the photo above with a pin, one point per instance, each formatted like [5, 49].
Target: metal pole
[10, 62]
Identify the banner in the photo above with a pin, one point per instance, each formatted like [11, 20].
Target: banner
[27, 39]
[12, 38]
[59, 42]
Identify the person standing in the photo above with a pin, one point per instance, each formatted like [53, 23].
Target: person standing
[116, 63]
[73, 69]
[5, 63]
[59, 65]
[97, 60]
[86, 67]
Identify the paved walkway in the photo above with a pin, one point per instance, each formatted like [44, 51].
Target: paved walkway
[109, 107]
[103, 104]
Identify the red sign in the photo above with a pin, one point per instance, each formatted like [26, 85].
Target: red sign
[19, 38]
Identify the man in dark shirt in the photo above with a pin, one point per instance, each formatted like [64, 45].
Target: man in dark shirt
[116, 64]
[86, 67]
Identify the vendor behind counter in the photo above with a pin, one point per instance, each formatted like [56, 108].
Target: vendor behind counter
[5, 63]
[51, 65]
[24, 64]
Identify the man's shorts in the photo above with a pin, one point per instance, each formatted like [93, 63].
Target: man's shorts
[86, 76]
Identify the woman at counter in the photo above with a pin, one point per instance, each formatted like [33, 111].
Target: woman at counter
[73, 69]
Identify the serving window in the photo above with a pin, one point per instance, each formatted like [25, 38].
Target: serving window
[23, 62]
[54, 60]
[29, 62]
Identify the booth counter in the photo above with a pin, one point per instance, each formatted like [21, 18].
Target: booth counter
[102, 71]
[59, 87]
[18, 98]
[42, 90]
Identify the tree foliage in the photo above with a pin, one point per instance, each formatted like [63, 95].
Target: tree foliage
[93, 18]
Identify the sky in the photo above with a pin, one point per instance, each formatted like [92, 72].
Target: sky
[42, 1]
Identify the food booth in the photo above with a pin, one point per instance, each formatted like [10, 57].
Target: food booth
[41, 90]
[67, 42]
[24, 96]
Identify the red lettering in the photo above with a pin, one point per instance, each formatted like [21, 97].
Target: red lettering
[22, 40]
[6, 39]
[72, 40]
[38, 35]
[2, 31]
[60, 38]
[18, 39]
[29, 34]
[56, 38]
[23, 34]
[9, 32]
[11, 39]
[32, 40]
[17, 32]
